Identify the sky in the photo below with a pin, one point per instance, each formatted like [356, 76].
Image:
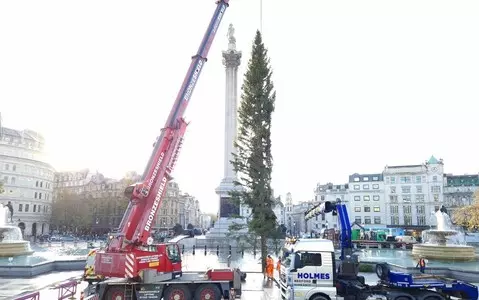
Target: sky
[360, 84]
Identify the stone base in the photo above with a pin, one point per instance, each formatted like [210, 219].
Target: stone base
[17, 248]
[222, 228]
[448, 252]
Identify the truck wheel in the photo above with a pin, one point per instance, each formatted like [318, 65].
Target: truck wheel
[177, 292]
[115, 293]
[382, 271]
[208, 292]
[319, 297]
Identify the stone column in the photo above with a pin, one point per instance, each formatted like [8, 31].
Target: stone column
[231, 61]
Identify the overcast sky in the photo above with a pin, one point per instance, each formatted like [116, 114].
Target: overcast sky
[360, 84]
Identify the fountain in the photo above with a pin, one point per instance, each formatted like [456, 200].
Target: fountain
[11, 242]
[443, 243]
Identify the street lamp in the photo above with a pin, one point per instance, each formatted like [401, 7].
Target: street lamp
[294, 228]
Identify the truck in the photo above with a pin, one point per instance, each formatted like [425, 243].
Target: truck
[131, 265]
[310, 271]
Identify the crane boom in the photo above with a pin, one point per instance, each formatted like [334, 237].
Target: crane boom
[146, 197]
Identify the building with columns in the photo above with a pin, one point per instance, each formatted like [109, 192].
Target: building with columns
[459, 190]
[413, 193]
[27, 179]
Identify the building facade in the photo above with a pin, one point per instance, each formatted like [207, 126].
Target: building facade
[414, 193]
[367, 205]
[459, 190]
[87, 201]
[27, 179]
[329, 192]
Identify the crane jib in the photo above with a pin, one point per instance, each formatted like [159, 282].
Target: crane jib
[155, 171]
[156, 203]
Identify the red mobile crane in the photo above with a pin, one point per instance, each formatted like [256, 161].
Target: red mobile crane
[145, 268]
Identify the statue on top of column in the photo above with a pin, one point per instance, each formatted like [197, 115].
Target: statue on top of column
[231, 38]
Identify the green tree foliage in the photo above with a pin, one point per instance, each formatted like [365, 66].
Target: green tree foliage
[1, 188]
[71, 212]
[253, 161]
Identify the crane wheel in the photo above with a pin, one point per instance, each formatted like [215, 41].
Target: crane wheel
[208, 292]
[177, 292]
[115, 293]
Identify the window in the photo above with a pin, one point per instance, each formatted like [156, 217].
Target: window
[407, 209]
[375, 178]
[36, 195]
[34, 208]
[393, 198]
[14, 168]
[356, 179]
[420, 209]
[367, 209]
[393, 190]
[376, 197]
[406, 189]
[366, 186]
[12, 180]
[367, 220]
[357, 208]
[407, 220]
[420, 198]
[406, 198]
[357, 198]
[27, 207]
[393, 180]
[418, 179]
[436, 197]
[358, 220]
[366, 198]
[394, 220]
[394, 209]
[418, 189]
[405, 179]
[365, 178]
[377, 220]
[421, 220]
[375, 186]
[356, 187]
[434, 178]
[435, 189]
[311, 259]
[377, 209]
[7, 167]
[20, 207]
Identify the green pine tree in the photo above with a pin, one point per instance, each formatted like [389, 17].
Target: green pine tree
[253, 161]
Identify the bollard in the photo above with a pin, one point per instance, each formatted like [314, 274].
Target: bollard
[230, 250]
[254, 250]
[183, 249]
[229, 261]
[217, 249]
[49, 244]
[194, 247]
[242, 252]
[63, 244]
[205, 250]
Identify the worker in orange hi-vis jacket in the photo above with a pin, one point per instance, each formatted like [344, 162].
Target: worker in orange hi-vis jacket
[269, 267]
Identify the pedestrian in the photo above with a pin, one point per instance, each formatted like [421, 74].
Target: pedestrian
[278, 266]
[269, 267]
[421, 264]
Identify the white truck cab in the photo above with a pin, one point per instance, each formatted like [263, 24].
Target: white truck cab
[308, 270]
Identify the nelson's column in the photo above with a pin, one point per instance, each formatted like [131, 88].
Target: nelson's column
[231, 61]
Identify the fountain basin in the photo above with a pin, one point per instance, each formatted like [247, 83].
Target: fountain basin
[15, 248]
[444, 252]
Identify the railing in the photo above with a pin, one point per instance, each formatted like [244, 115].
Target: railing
[66, 290]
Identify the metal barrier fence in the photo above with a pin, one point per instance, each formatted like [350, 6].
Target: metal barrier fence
[66, 290]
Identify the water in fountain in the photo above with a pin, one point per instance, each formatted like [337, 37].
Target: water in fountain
[11, 242]
[445, 242]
